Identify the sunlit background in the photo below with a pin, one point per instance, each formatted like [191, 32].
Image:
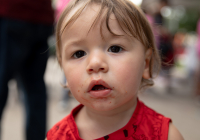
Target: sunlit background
[136, 2]
[176, 93]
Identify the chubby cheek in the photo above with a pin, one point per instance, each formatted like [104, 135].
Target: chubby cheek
[128, 77]
[74, 79]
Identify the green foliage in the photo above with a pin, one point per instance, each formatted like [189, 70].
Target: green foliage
[189, 21]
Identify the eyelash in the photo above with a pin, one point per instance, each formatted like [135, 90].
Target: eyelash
[113, 49]
[119, 49]
[82, 53]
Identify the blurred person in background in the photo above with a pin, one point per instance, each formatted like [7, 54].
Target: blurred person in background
[167, 56]
[164, 42]
[60, 5]
[163, 38]
[24, 29]
[198, 52]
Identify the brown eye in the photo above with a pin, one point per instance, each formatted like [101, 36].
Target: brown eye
[115, 49]
[79, 54]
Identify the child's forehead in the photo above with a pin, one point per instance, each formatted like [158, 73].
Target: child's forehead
[89, 16]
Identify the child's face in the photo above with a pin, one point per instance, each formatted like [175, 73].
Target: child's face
[102, 74]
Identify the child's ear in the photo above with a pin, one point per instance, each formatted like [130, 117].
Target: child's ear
[146, 72]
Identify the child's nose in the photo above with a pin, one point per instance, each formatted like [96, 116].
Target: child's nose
[96, 64]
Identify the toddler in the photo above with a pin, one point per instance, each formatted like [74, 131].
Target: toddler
[106, 50]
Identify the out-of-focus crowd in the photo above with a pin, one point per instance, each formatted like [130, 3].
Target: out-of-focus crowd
[177, 34]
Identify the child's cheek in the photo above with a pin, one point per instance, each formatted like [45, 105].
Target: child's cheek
[129, 75]
[74, 80]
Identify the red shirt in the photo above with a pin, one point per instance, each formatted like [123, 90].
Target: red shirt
[36, 11]
[145, 124]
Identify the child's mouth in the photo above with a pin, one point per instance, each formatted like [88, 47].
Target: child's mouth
[99, 87]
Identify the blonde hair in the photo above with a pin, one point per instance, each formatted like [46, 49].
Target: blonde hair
[130, 18]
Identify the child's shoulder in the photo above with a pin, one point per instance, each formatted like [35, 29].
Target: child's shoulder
[149, 113]
[149, 123]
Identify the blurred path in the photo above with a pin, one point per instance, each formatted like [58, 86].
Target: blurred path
[180, 105]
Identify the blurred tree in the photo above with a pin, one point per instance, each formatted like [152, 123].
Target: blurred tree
[189, 21]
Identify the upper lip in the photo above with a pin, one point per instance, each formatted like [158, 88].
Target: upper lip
[98, 82]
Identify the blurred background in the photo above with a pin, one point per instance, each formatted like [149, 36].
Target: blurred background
[176, 93]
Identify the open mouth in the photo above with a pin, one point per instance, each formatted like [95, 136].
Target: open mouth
[99, 87]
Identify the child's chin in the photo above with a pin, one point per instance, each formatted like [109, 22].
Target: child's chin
[103, 107]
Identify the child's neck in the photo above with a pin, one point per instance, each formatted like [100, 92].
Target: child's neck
[93, 124]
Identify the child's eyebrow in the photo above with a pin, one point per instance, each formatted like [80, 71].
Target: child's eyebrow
[83, 40]
[74, 42]
[68, 46]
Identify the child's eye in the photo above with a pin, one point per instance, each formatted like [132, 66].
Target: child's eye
[79, 54]
[115, 49]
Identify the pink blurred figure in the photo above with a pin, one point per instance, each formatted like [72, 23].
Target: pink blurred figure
[61, 4]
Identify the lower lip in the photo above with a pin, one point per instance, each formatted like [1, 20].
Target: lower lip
[100, 93]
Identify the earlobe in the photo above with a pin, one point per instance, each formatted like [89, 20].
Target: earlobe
[146, 72]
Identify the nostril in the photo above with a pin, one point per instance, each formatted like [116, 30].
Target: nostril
[97, 69]
[101, 69]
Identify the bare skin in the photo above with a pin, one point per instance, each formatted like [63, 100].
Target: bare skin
[174, 134]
